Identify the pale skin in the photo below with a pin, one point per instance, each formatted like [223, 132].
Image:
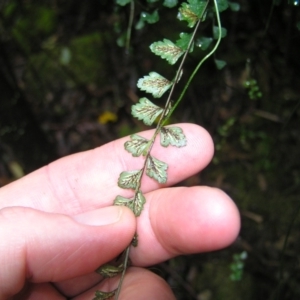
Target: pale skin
[57, 224]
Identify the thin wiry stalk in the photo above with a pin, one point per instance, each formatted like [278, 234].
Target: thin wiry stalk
[199, 65]
[181, 66]
[126, 258]
[129, 28]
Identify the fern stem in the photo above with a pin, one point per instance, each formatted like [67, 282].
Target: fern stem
[165, 114]
[126, 258]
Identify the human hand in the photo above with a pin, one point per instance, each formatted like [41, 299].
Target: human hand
[57, 224]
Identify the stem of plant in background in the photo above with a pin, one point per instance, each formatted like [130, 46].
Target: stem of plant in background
[199, 65]
[129, 28]
[178, 74]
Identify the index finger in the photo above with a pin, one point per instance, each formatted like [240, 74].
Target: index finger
[88, 180]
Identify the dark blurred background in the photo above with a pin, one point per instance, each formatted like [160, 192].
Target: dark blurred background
[66, 86]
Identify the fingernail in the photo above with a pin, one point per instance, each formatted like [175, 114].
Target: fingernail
[101, 216]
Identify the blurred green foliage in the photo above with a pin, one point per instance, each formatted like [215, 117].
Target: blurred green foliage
[63, 57]
[237, 266]
[30, 22]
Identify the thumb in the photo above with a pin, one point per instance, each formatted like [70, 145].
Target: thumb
[40, 247]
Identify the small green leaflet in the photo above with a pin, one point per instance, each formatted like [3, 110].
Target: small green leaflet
[150, 18]
[147, 17]
[167, 50]
[192, 12]
[220, 64]
[123, 2]
[184, 41]
[109, 271]
[129, 179]
[138, 203]
[197, 6]
[234, 6]
[104, 295]
[65, 56]
[170, 3]
[154, 84]
[137, 145]
[203, 42]
[172, 136]
[216, 32]
[222, 5]
[156, 169]
[146, 111]
[122, 201]
[186, 14]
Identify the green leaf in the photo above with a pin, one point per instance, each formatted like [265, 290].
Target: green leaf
[170, 3]
[109, 271]
[147, 18]
[234, 6]
[150, 18]
[154, 84]
[65, 56]
[99, 295]
[137, 145]
[138, 203]
[140, 24]
[220, 64]
[156, 169]
[203, 42]
[192, 12]
[123, 2]
[167, 50]
[216, 32]
[172, 136]
[122, 201]
[146, 111]
[186, 14]
[197, 6]
[222, 5]
[121, 40]
[129, 179]
[184, 41]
